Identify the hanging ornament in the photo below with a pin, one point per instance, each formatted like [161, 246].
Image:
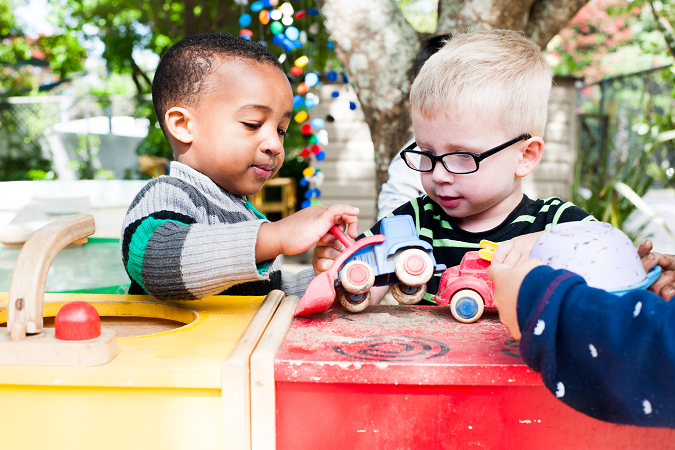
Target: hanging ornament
[303, 37]
[322, 137]
[311, 100]
[245, 20]
[306, 129]
[246, 34]
[274, 3]
[276, 27]
[264, 17]
[300, 14]
[314, 28]
[292, 33]
[332, 76]
[311, 79]
[295, 70]
[303, 88]
[335, 94]
[313, 12]
[287, 20]
[257, 6]
[301, 61]
[318, 123]
[298, 101]
[330, 45]
[286, 9]
[275, 14]
[301, 117]
[352, 106]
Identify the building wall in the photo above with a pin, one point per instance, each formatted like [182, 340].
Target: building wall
[349, 166]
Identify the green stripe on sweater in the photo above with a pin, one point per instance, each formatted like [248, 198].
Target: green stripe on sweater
[138, 244]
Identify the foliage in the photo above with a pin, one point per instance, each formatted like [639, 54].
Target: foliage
[21, 156]
[608, 37]
[20, 55]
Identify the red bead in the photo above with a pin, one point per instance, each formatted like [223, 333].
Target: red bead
[303, 88]
[295, 70]
[306, 129]
[246, 32]
[77, 321]
[300, 14]
[304, 152]
[315, 149]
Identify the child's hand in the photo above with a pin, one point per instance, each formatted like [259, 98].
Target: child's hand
[515, 250]
[327, 249]
[300, 231]
[507, 282]
[665, 285]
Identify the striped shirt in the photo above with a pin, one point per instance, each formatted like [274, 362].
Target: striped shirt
[185, 238]
[450, 242]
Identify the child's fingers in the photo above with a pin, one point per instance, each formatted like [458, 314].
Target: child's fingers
[663, 283]
[502, 251]
[645, 248]
[352, 224]
[650, 261]
[667, 262]
[329, 240]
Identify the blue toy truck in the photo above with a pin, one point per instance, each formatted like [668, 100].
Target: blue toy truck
[403, 261]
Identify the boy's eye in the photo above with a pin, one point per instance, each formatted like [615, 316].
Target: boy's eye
[252, 126]
[282, 132]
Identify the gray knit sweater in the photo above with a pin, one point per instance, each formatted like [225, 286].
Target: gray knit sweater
[184, 237]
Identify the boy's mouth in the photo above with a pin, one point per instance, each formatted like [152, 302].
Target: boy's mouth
[263, 170]
[449, 202]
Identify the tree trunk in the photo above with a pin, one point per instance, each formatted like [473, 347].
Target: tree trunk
[377, 48]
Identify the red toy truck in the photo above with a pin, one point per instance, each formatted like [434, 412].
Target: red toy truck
[466, 288]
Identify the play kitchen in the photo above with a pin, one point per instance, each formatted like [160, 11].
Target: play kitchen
[171, 374]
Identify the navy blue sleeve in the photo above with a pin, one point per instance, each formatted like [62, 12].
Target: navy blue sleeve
[610, 357]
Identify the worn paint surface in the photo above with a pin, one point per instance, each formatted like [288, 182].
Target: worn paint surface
[411, 377]
[413, 345]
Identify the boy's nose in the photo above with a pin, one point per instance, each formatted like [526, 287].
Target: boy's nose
[440, 175]
[273, 144]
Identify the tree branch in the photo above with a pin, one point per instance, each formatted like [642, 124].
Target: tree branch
[465, 15]
[666, 28]
[548, 17]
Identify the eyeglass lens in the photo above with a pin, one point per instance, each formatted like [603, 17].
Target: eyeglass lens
[456, 163]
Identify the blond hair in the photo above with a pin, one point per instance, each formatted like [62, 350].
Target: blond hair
[496, 70]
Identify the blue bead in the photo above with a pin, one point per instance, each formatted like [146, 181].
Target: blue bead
[304, 182]
[278, 39]
[320, 157]
[266, 3]
[313, 12]
[330, 45]
[245, 37]
[297, 44]
[311, 79]
[335, 94]
[292, 33]
[288, 45]
[297, 101]
[257, 6]
[332, 76]
[245, 20]
[344, 79]
[352, 106]
[310, 103]
[318, 123]
[305, 204]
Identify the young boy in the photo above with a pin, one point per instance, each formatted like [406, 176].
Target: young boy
[479, 110]
[612, 358]
[224, 104]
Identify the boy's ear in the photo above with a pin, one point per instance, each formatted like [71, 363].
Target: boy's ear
[179, 122]
[530, 155]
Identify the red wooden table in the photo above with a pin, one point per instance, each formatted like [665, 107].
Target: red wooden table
[401, 377]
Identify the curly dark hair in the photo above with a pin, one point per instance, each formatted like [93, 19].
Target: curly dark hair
[183, 74]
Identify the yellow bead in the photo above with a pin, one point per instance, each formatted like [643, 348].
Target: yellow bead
[301, 61]
[301, 117]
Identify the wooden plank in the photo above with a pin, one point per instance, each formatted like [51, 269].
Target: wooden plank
[236, 390]
[263, 405]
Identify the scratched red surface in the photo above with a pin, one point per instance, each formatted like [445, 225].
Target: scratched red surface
[396, 378]
[422, 345]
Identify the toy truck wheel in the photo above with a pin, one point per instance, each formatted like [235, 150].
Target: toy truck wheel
[408, 295]
[467, 306]
[354, 302]
[357, 277]
[414, 267]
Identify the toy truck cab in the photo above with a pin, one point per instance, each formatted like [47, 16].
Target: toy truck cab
[466, 288]
[403, 261]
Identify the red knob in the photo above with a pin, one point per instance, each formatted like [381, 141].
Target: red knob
[77, 321]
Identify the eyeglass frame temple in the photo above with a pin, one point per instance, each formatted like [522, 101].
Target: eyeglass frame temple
[477, 157]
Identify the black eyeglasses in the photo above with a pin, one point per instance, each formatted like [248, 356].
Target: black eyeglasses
[458, 163]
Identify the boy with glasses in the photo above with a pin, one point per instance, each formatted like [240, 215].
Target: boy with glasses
[479, 109]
